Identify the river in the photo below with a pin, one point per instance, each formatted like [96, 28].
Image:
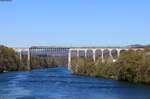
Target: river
[59, 83]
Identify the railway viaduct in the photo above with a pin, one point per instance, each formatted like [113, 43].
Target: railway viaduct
[67, 51]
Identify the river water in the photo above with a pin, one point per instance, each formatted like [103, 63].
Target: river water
[59, 83]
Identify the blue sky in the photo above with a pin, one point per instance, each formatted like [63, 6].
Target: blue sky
[26, 23]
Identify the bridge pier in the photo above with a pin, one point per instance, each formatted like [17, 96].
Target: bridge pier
[102, 56]
[85, 53]
[20, 55]
[110, 54]
[29, 59]
[118, 52]
[69, 59]
[94, 55]
[78, 52]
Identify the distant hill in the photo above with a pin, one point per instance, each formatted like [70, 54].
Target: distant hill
[136, 46]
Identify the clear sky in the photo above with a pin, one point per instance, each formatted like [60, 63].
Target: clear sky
[26, 23]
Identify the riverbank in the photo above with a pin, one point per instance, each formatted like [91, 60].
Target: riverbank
[10, 61]
[132, 66]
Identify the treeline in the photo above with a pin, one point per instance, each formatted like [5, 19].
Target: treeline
[132, 66]
[10, 61]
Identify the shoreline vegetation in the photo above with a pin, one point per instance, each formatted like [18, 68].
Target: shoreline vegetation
[10, 61]
[131, 66]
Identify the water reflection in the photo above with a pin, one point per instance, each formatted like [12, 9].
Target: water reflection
[58, 83]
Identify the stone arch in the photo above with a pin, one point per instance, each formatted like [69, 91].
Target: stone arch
[106, 53]
[73, 54]
[108, 56]
[89, 54]
[98, 54]
[114, 54]
[123, 50]
[81, 53]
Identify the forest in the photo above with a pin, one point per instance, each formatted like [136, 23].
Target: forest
[131, 66]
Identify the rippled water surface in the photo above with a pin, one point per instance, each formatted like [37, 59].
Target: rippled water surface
[58, 83]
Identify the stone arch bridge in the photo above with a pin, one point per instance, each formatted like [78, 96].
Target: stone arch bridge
[68, 51]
